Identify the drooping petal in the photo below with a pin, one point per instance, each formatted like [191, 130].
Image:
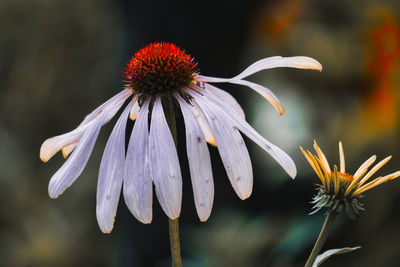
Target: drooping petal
[164, 163]
[265, 92]
[138, 187]
[111, 174]
[134, 111]
[281, 157]
[75, 164]
[199, 163]
[266, 63]
[52, 145]
[298, 62]
[232, 149]
[68, 149]
[225, 96]
[124, 93]
[204, 125]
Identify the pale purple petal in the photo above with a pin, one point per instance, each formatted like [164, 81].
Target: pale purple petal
[134, 111]
[199, 163]
[266, 63]
[68, 149]
[225, 96]
[232, 149]
[52, 145]
[75, 164]
[219, 106]
[298, 62]
[106, 104]
[164, 163]
[138, 186]
[111, 174]
[265, 92]
[204, 125]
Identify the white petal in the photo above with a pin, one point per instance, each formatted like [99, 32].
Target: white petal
[298, 62]
[225, 96]
[68, 149]
[265, 92]
[204, 125]
[281, 157]
[111, 174]
[116, 98]
[138, 187]
[75, 164]
[232, 149]
[164, 163]
[52, 145]
[134, 111]
[199, 163]
[266, 63]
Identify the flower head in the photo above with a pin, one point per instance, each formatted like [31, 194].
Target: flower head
[160, 68]
[339, 189]
[158, 75]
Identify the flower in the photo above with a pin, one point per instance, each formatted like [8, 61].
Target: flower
[159, 76]
[342, 190]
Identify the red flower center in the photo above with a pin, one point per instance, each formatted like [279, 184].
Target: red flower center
[159, 68]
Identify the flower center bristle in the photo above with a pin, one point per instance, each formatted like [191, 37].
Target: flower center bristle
[333, 197]
[344, 180]
[345, 177]
[159, 68]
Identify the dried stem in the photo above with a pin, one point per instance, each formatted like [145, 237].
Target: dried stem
[329, 220]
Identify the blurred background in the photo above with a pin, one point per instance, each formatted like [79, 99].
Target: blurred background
[61, 59]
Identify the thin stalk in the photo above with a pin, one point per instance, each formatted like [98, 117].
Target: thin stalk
[174, 243]
[173, 224]
[329, 220]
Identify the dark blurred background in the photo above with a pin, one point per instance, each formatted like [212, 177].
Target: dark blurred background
[61, 59]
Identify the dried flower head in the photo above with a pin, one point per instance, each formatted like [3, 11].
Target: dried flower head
[340, 190]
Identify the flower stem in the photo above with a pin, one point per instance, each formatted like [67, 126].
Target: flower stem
[173, 223]
[330, 218]
[174, 242]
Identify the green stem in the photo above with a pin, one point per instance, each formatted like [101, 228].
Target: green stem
[323, 235]
[173, 224]
[174, 243]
